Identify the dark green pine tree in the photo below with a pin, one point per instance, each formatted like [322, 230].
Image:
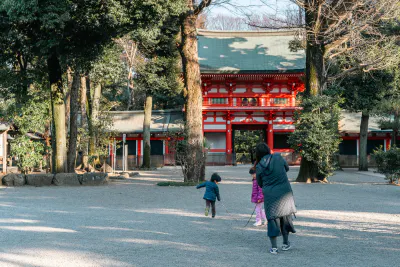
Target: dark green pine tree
[363, 92]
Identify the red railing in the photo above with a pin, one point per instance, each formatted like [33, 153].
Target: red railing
[248, 101]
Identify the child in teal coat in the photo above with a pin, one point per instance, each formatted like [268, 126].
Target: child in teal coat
[212, 193]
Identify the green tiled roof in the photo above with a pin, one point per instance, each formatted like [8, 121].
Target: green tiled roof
[233, 52]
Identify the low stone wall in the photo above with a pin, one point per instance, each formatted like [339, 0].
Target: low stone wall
[59, 179]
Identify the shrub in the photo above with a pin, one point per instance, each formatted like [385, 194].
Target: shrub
[317, 137]
[29, 153]
[388, 163]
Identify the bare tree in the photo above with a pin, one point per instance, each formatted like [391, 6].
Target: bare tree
[342, 27]
[351, 29]
[129, 56]
[222, 22]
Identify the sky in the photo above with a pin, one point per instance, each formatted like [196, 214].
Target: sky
[250, 7]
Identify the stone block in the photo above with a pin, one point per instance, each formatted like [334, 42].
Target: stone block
[66, 179]
[19, 180]
[44, 179]
[93, 178]
[13, 179]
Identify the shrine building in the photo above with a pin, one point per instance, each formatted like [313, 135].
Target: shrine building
[250, 81]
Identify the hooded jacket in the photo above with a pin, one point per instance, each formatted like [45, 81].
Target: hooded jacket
[278, 194]
[212, 190]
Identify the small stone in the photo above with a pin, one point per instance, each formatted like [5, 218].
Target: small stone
[133, 174]
[93, 178]
[125, 175]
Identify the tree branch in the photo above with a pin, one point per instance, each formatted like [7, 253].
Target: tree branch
[202, 6]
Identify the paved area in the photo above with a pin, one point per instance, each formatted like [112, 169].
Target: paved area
[354, 221]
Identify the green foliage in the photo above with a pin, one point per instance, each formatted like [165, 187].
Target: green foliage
[159, 74]
[103, 133]
[362, 91]
[245, 143]
[109, 71]
[388, 163]
[29, 153]
[316, 137]
[159, 77]
[389, 108]
[33, 117]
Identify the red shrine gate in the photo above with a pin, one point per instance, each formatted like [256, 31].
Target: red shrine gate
[248, 102]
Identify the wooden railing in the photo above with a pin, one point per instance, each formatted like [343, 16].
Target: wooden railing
[248, 102]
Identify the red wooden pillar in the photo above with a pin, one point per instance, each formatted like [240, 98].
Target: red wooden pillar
[388, 141]
[228, 136]
[270, 133]
[166, 142]
[139, 152]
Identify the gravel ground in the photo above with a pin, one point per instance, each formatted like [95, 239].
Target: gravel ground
[353, 221]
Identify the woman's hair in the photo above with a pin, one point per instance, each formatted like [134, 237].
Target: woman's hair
[215, 177]
[262, 149]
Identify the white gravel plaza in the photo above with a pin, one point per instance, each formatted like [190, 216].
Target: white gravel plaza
[353, 221]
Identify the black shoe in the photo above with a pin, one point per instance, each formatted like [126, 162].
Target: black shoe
[213, 216]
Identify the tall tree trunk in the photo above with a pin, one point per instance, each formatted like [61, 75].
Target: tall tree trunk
[68, 99]
[146, 132]
[73, 125]
[315, 83]
[84, 124]
[395, 133]
[193, 100]
[58, 110]
[47, 140]
[363, 157]
[128, 89]
[93, 121]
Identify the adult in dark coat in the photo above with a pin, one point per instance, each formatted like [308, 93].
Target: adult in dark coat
[278, 195]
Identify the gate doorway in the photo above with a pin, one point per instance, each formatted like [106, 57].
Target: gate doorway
[244, 139]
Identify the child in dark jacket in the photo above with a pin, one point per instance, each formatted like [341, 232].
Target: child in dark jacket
[257, 197]
[212, 193]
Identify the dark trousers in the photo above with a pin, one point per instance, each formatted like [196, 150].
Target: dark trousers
[212, 204]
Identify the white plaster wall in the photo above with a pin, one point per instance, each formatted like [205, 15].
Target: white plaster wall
[261, 119]
[284, 127]
[215, 140]
[240, 90]
[214, 127]
[1, 145]
[258, 90]
[209, 119]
